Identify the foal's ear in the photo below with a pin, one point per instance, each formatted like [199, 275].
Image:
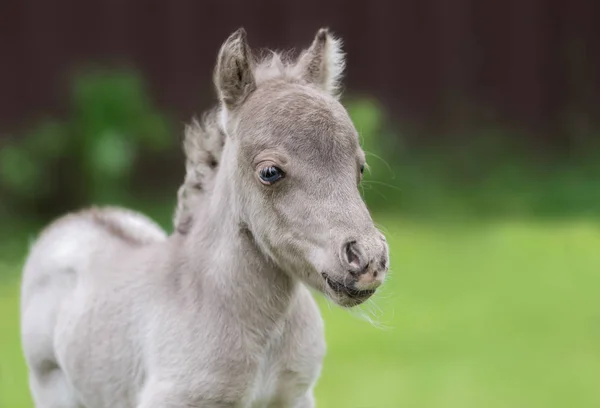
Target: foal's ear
[234, 73]
[323, 63]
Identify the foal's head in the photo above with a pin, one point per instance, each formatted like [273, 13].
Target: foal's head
[296, 164]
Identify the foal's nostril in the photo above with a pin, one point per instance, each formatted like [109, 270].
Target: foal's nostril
[352, 255]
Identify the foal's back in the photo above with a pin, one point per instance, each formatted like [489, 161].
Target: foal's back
[73, 254]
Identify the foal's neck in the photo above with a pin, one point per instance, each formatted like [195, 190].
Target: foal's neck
[224, 260]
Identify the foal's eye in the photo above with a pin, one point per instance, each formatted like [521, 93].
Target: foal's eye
[271, 174]
[362, 169]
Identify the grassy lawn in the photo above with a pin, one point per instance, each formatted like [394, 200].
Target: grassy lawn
[499, 314]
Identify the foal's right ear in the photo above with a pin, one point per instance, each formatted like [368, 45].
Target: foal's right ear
[323, 63]
[234, 73]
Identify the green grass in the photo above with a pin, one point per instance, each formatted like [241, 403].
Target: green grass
[485, 314]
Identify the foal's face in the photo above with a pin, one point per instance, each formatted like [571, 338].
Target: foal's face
[299, 165]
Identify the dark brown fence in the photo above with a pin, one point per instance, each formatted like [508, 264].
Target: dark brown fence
[448, 63]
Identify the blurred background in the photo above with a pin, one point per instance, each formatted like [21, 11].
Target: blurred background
[480, 121]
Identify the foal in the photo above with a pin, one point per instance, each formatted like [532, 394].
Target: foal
[218, 314]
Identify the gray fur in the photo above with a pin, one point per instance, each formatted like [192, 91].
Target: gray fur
[116, 314]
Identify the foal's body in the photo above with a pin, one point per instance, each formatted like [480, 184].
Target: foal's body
[115, 314]
[129, 335]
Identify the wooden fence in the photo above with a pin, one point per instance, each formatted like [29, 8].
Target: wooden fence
[445, 63]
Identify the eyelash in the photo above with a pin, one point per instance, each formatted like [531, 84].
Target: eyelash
[270, 175]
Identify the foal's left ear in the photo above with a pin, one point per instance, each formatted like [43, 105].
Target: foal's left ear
[234, 73]
[323, 63]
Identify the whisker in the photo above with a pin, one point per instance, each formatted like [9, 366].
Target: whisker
[382, 228]
[390, 169]
[382, 184]
[377, 191]
[364, 315]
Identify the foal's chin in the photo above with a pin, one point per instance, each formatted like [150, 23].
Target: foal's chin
[348, 301]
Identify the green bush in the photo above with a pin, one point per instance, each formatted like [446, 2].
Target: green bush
[92, 155]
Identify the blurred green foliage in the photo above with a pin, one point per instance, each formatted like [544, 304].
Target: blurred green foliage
[487, 176]
[92, 154]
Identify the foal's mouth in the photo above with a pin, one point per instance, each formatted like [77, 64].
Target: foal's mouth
[342, 289]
